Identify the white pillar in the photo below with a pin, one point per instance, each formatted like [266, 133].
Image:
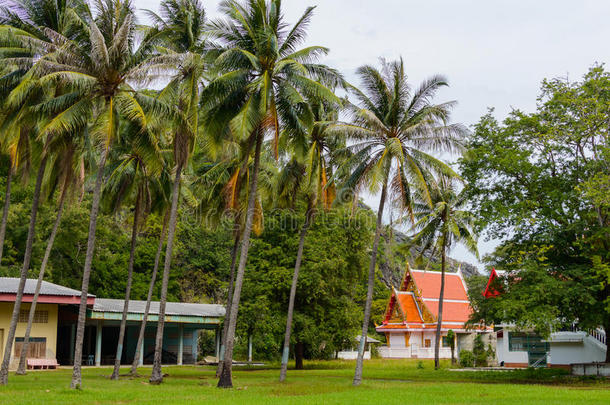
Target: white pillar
[250, 348]
[217, 335]
[98, 344]
[180, 343]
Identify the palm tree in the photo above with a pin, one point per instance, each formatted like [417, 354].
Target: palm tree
[268, 79]
[18, 119]
[310, 179]
[93, 66]
[66, 155]
[391, 129]
[153, 278]
[135, 166]
[180, 28]
[442, 225]
[224, 190]
[27, 256]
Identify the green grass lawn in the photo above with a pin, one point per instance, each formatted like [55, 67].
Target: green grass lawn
[386, 382]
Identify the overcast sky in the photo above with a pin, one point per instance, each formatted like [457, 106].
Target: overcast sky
[494, 53]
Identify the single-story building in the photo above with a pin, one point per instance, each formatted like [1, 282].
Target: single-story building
[517, 348]
[54, 328]
[411, 316]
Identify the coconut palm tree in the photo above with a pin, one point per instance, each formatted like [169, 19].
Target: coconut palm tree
[153, 278]
[308, 178]
[223, 186]
[392, 128]
[267, 79]
[135, 165]
[94, 66]
[18, 120]
[66, 156]
[180, 30]
[440, 226]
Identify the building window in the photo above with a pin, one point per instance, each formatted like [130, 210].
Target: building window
[39, 316]
[37, 347]
[427, 343]
[446, 342]
[523, 342]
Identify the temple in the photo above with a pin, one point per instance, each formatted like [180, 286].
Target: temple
[412, 315]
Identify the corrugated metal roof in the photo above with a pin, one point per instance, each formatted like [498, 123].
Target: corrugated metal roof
[10, 285]
[172, 308]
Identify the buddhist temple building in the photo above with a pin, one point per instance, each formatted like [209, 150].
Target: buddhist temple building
[412, 315]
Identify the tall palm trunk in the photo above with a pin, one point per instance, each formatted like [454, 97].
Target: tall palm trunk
[27, 257]
[226, 380]
[371, 285]
[82, 309]
[151, 287]
[132, 252]
[156, 375]
[43, 266]
[437, 340]
[293, 292]
[7, 203]
[225, 326]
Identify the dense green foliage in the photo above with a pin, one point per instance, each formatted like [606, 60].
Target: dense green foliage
[540, 181]
[331, 287]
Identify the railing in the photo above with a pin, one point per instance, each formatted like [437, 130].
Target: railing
[413, 352]
[598, 334]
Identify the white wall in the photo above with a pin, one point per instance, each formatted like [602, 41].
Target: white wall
[589, 350]
[506, 356]
[397, 340]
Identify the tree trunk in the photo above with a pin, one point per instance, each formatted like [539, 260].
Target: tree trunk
[371, 285]
[293, 292]
[132, 252]
[298, 356]
[43, 266]
[156, 375]
[226, 379]
[27, 257]
[151, 287]
[7, 203]
[439, 321]
[82, 309]
[225, 326]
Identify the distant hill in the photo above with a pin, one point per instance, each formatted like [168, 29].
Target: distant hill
[393, 259]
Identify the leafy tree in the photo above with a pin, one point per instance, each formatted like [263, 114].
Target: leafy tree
[537, 180]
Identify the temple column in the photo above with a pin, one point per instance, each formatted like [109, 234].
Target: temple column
[98, 344]
[180, 343]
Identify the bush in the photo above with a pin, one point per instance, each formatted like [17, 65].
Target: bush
[479, 352]
[466, 358]
[420, 365]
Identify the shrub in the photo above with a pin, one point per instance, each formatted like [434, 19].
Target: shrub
[420, 365]
[479, 352]
[466, 358]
